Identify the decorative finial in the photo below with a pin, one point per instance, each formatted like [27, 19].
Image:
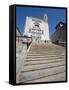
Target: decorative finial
[45, 18]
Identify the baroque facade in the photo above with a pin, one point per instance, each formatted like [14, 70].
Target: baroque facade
[37, 28]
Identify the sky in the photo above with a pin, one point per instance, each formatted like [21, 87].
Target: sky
[54, 16]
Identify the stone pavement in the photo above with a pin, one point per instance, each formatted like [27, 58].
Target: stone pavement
[45, 62]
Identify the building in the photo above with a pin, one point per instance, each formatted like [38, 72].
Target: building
[59, 36]
[37, 28]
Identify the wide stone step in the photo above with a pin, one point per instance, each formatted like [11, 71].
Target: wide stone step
[55, 77]
[42, 58]
[32, 75]
[30, 54]
[47, 52]
[34, 67]
[43, 61]
[46, 48]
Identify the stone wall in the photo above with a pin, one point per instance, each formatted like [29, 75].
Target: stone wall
[21, 52]
[59, 36]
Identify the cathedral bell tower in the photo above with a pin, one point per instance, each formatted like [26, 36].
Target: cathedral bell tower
[45, 36]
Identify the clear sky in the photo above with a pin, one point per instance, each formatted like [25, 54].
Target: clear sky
[54, 16]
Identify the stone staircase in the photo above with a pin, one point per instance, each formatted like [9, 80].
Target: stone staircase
[45, 62]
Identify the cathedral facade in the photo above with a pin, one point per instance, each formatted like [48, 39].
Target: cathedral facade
[37, 28]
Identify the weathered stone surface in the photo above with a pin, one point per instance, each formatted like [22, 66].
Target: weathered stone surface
[44, 63]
